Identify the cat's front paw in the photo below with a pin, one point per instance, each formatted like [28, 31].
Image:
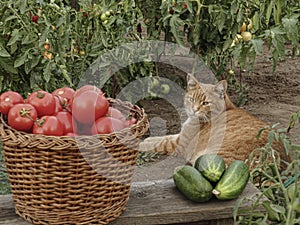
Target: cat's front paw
[149, 144]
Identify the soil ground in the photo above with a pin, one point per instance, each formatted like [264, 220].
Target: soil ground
[271, 97]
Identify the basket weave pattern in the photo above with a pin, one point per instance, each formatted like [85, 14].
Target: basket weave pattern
[65, 180]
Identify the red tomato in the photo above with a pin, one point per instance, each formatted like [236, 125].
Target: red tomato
[84, 129]
[58, 105]
[106, 125]
[88, 87]
[130, 122]
[48, 125]
[9, 99]
[43, 102]
[66, 94]
[113, 112]
[35, 19]
[88, 106]
[22, 116]
[66, 120]
[71, 134]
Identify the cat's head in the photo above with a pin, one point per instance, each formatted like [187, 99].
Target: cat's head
[205, 101]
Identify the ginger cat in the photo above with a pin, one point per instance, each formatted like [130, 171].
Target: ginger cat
[214, 126]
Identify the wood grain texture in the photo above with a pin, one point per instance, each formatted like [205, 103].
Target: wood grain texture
[156, 202]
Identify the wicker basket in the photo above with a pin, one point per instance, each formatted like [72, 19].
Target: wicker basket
[65, 180]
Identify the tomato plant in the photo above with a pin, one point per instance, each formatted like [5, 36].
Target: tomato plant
[48, 125]
[22, 117]
[43, 102]
[9, 99]
[49, 44]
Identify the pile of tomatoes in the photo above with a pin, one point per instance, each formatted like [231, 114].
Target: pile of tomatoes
[64, 112]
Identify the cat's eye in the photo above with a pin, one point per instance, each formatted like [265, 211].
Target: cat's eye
[205, 103]
[191, 99]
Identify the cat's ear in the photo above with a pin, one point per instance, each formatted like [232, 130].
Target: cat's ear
[221, 88]
[191, 81]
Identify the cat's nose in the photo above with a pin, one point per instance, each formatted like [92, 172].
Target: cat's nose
[196, 109]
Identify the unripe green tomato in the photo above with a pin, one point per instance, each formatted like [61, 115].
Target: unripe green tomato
[250, 25]
[246, 35]
[165, 88]
[154, 83]
[103, 17]
[231, 72]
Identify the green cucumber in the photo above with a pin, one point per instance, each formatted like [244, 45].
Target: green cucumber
[211, 166]
[233, 181]
[192, 184]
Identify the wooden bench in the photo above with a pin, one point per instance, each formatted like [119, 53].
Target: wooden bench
[156, 202]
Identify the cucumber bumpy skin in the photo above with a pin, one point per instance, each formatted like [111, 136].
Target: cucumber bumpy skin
[192, 184]
[211, 166]
[233, 181]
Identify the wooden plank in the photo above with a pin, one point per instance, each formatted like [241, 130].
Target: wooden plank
[7, 212]
[155, 202]
[159, 202]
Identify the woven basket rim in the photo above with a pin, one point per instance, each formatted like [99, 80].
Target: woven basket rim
[142, 116]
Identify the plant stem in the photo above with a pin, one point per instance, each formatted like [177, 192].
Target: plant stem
[286, 197]
[19, 17]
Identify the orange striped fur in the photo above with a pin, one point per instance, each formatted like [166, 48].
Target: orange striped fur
[214, 125]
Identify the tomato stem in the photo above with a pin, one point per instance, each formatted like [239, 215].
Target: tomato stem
[40, 94]
[25, 113]
[40, 122]
[64, 103]
[199, 7]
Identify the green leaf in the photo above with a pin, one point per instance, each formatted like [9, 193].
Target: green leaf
[12, 17]
[278, 208]
[243, 57]
[47, 72]
[61, 21]
[4, 52]
[257, 45]
[15, 36]
[176, 25]
[65, 74]
[30, 64]
[196, 35]
[237, 205]
[23, 6]
[269, 12]
[220, 20]
[28, 39]
[21, 60]
[7, 65]
[291, 27]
